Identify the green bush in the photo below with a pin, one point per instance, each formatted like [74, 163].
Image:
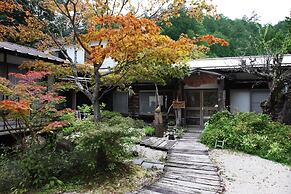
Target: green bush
[114, 118]
[106, 115]
[107, 146]
[95, 148]
[86, 110]
[251, 133]
[35, 167]
[149, 131]
[78, 126]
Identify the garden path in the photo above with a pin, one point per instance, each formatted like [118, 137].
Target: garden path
[188, 169]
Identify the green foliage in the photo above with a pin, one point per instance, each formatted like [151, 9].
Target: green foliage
[179, 132]
[106, 115]
[106, 146]
[240, 33]
[95, 148]
[86, 110]
[78, 126]
[149, 131]
[115, 118]
[251, 133]
[34, 167]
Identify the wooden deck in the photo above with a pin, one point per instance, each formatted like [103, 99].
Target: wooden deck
[158, 143]
[188, 169]
[14, 124]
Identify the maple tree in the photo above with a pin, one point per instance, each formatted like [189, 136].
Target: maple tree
[31, 102]
[126, 32]
[17, 23]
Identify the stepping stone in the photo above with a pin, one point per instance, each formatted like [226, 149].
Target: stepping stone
[138, 161]
[149, 165]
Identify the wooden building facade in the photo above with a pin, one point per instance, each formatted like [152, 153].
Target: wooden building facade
[214, 85]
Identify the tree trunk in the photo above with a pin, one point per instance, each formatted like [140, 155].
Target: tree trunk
[96, 110]
[272, 106]
[95, 96]
[158, 116]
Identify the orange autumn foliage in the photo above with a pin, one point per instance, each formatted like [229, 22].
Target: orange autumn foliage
[132, 39]
[210, 39]
[18, 24]
[127, 37]
[20, 108]
[29, 100]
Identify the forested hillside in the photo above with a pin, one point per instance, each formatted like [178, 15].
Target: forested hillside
[243, 35]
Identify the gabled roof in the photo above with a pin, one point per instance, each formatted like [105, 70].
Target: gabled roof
[29, 51]
[232, 62]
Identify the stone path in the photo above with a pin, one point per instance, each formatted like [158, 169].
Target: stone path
[188, 169]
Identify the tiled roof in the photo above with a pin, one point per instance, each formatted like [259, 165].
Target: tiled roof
[232, 62]
[29, 51]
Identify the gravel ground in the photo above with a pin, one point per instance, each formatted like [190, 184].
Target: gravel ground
[248, 174]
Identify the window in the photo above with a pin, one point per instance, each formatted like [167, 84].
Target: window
[247, 100]
[148, 104]
[239, 101]
[120, 102]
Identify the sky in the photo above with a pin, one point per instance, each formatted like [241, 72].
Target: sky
[270, 11]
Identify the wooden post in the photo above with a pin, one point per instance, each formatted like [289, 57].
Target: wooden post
[221, 94]
[178, 105]
[74, 100]
[178, 116]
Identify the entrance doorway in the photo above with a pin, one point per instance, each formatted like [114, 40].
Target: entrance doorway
[200, 105]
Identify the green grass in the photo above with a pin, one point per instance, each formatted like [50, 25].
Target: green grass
[149, 131]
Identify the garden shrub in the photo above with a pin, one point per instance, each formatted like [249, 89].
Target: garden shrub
[149, 131]
[252, 133]
[96, 147]
[34, 167]
[107, 146]
[114, 118]
[106, 115]
[86, 110]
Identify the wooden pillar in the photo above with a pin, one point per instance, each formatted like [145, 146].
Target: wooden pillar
[178, 115]
[6, 66]
[74, 100]
[221, 94]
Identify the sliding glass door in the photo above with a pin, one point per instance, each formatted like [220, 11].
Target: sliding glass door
[200, 105]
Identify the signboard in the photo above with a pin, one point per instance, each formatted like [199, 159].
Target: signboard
[178, 104]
